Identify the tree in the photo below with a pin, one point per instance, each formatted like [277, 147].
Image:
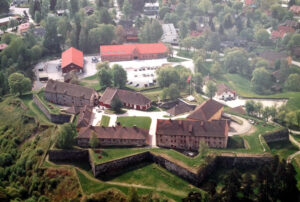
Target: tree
[216, 70]
[167, 76]
[105, 78]
[116, 105]
[173, 91]
[263, 37]
[18, 83]
[203, 148]
[94, 141]
[236, 61]
[198, 82]
[74, 6]
[4, 6]
[293, 82]
[127, 8]
[3, 83]
[119, 76]
[211, 89]
[278, 12]
[133, 195]
[261, 81]
[66, 136]
[104, 16]
[102, 65]
[212, 42]
[193, 196]
[151, 32]
[163, 11]
[249, 107]
[232, 186]
[183, 29]
[120, 34]
[103, 34]
[228, 21]
[51, 41]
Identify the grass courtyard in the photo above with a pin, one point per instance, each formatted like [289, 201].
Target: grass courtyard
[138, 121]
[105, 121]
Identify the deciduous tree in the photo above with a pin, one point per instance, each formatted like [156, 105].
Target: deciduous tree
[66, 136]
[18, 83]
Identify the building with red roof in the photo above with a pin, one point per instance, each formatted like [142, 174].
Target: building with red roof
[281, 31]
[127, 52]
[295, 9]
[22, 28]
[72, 59]
[3, 46]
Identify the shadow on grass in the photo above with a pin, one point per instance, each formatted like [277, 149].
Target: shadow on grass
[118, 172]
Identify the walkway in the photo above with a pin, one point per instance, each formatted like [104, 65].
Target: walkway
[296, 63]
[296, 143]
[239, 129]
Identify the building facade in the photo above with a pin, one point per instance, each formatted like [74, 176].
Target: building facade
[225, 93]
[113, 136]
[128, 52]
[187, 135]
[66, 94]
[72, 59]
[129, 99]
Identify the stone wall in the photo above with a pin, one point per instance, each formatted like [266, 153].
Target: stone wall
[55, 118]
[68, 155]
[280, 135]
[116, 166]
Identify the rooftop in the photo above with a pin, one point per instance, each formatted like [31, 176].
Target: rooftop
[72, 56]
[206, 110]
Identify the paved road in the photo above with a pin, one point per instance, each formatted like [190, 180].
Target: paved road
[240, 129]
[296, 63]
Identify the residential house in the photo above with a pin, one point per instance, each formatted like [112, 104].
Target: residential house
[207, 111]
[272, 56]
[281, 31]
[127, 52]
[113, 136]
[131, 35]
[129, 99]
[224, 92]
[169, 34]
[72, 59]
[84, 117]
[151, 8]
[292, 23]
[22, 28]
[187, 134]
[66, 94]
[3, 46]
[295, 9]
[181, 108]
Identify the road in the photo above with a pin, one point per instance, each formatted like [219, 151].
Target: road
[296, 63]
[239, 129]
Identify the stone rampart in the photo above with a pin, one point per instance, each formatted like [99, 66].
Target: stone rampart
[68, 155]
[280, 135]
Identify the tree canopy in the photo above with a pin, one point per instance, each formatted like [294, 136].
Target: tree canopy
[18, 83]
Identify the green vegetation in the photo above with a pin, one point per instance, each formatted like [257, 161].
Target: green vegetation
[51, 107]
[283, 149]
[105, 120]
[175, 59]
[235, 142]
[138, 121]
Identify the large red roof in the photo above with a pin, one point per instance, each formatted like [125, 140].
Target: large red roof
[72, 55]
[128, 49]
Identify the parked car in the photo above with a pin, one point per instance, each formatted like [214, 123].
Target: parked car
[95, 60]
[130, 82]
[137, 85]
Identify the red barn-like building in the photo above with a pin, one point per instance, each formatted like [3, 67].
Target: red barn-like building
[72, 59]
[127, 52]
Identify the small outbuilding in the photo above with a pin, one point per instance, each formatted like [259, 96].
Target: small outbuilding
[72, 59]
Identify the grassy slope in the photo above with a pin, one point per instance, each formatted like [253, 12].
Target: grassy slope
[283, 149]
[243, 88]
[140, 122]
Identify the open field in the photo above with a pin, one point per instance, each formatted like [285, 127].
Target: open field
[140, 122]
[243, 88]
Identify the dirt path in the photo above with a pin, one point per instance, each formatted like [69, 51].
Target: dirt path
[295, 142]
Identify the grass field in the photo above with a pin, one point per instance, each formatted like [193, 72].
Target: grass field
[175, 59]
[105, 120]
[130, 121]
[283, 149]
[243, 88]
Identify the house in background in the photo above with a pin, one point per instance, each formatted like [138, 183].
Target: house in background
[129, 99]
[187, 134]
[180, 108]
[207, 111]
[3, 46]
[169, 34]
[151, 8]
[72, 59]
[295, 9]
[225, 93]
[113, 136]
[22, 28]
[272, 56]
[66, 94]
[127, 52]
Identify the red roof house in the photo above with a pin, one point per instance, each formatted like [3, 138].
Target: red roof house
[295, 9]
[3, 46]
[22, 28]
[249, 2]
[72, 59]
[133, 52]
[129, 99]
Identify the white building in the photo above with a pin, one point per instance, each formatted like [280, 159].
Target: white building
[170, 35]
[225, 93]
[151, 8]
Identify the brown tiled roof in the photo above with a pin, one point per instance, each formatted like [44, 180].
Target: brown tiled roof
[206, 110]
[84, 117]
[272, 56]
[126, 96]
[216, 128]
[239, 110]
[117, 132]
[221, 88]
[69, 89]
[180, 108]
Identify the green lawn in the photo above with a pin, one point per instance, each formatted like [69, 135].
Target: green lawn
[51, 107]
[297, 137]
[283, 149]
[92, 186]
[235, 142]
[155, 176]
[243, 88]
[296, 164]
[130, 121]
[185, 53]
[175, 59]
[105, 120]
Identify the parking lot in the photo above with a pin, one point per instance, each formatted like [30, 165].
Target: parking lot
[141, 73]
